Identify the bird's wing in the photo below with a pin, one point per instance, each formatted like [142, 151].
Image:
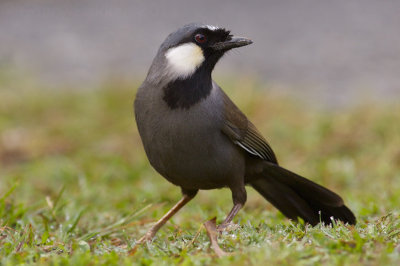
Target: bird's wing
[244, 134]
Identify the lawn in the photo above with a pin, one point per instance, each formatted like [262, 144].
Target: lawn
[76, 187]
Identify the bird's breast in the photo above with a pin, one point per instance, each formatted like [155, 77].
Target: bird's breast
[187, 146]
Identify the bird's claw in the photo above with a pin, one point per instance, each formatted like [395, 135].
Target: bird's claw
[227, 227]
[146, 238]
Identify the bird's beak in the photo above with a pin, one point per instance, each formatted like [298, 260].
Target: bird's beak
[233, 42]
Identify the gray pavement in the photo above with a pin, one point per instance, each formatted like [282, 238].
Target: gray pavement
[330, 52]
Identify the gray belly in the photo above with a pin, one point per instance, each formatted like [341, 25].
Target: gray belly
[189, 148]
[197, 159]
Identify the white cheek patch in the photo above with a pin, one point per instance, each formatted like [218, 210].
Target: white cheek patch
[184, 59]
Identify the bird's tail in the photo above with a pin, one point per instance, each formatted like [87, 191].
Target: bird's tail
[296, 196]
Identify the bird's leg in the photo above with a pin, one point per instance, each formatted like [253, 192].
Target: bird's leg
[236, 208]
[239, 197]
[187, 196]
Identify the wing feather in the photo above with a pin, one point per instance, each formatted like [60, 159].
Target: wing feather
[244, 134]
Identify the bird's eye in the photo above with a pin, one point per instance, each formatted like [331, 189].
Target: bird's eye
[200, 38]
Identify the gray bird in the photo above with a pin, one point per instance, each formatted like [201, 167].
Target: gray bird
[197, 138]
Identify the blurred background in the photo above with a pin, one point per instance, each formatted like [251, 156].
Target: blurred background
[332, 53]
[321, 82]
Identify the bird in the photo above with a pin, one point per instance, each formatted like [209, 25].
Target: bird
[198, 139]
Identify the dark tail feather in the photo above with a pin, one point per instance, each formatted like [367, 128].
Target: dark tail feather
[296, 196]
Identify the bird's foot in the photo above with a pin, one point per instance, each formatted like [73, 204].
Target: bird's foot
[146, 238]
[212, 233]
[227, 227]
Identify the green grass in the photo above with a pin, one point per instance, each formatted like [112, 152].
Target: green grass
[76, 187]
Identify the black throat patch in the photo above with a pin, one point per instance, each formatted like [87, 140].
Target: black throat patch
[184, 93]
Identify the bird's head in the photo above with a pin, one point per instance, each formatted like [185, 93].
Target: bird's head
[191, 48]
